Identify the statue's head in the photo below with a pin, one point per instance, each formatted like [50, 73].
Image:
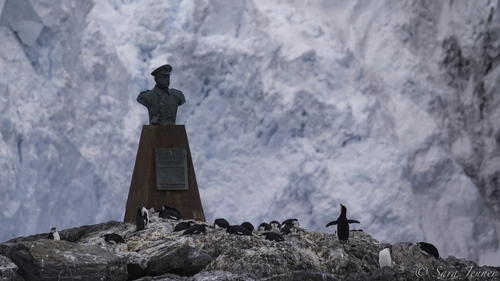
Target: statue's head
[162, 76]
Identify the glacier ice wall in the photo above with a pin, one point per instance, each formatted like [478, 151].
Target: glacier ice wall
[389, 108]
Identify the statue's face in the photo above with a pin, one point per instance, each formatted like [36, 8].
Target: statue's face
[163, 80]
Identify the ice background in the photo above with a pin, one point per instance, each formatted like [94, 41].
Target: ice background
[293, 107]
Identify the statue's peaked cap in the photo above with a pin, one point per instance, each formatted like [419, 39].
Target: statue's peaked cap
[164, 69]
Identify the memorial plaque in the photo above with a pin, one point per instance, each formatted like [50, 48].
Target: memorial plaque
[171, 169]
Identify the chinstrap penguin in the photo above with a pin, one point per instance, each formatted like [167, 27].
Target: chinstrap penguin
[113, 238]
[54, 235]
[195, 229]
[384, 258]
[141, 219]
[221, 223]
[428, 249]
[264, 227]
[238, 230]
[342, 224]
[273, 236]
[171, 213]
[292, 222]
[248, 226]
[275, 226]
[183, 225]
[288, 229]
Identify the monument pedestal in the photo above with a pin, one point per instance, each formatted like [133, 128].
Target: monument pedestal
[164, 174]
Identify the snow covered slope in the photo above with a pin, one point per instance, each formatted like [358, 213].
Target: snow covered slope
[293, 107]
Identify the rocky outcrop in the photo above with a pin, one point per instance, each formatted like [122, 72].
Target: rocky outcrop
[8, 269]
[158, 253]
[55, 260]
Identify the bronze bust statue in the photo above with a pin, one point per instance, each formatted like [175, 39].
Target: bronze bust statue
[161, 101]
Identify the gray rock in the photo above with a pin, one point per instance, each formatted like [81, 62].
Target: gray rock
[179, 259]
[164, 277]
[8, 270]
[54, 260]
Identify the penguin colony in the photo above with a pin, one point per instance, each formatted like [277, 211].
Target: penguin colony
[272, 231]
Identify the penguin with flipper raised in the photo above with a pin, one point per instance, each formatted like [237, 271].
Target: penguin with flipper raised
[342, 224]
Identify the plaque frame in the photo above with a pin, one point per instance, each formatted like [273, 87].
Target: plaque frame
[171, 168]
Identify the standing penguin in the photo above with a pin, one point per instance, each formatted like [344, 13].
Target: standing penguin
[342, 224]
[384, 258]
[141, 219]
[54, 235]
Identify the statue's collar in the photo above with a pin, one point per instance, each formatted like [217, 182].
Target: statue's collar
[160, 91]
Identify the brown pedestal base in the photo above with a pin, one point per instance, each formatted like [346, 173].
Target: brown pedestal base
[143, 188]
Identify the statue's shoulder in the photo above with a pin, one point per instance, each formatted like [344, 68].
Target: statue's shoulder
[175, 91]
[179, 95]
[144, 97]
[142, 93]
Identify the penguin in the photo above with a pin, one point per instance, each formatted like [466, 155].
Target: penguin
[113, 238]
[195, 229]
[273, 236]
[221, 223]
[141, 219]
[171, 213]
[292, 222]
[428, 249]
[264, 227]
[342, 224]
[54, 235]
[288, 229]
[238, 230]
[384, 258]
[183, 225]
[167, 207]
[248, 226]
[275, 226]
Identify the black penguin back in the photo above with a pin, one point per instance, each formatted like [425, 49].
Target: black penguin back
[168, 212]
[183, 225]
[238, 230]
[113, 238]
[429, 249]
[273, 236]
[248, 226]
[195, 229]
[222, 223]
